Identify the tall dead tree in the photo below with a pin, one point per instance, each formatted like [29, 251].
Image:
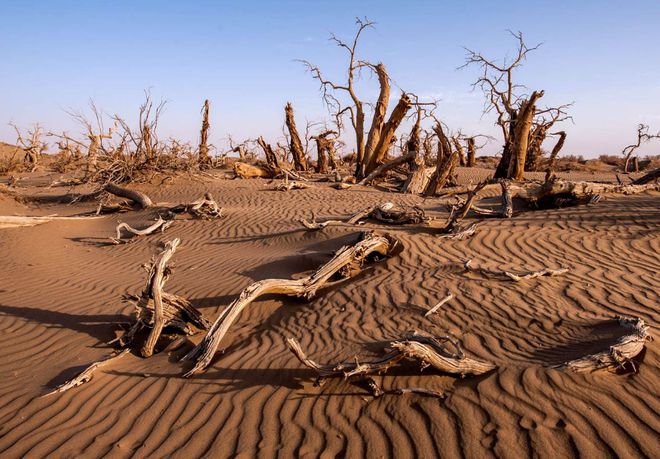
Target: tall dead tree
[642, 137]
[555, 150]
[32, 146]
[472, 152]
[204, 158]
[445, 165]
[372, 151]
[299, 161]
[516, 114]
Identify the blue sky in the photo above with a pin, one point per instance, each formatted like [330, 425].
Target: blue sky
[55, 55]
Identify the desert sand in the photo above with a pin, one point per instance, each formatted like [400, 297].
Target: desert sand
[61, 301]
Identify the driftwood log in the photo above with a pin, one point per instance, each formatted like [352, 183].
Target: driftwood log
[620, 355]
[245, 170]
[426, 349]
[157, 309]
[386, 212]
[142, 200]
[347, 262]
[87, 373]
[160, 225]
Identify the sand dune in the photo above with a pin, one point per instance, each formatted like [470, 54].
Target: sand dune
[60, 301]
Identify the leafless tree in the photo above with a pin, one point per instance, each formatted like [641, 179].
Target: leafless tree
[31, 144]
[643, 136]
[517, 114]
[372, 150]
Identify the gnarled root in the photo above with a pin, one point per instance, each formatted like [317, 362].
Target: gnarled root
[386, 212]
[346, 263]
[423, 348]
[157, 309]
[160, 224]
[620, 355]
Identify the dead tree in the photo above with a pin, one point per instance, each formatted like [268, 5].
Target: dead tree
[325, 148]
[446, 163]
[347, 263]
[642, 137]
[555, 150]
[204, 158]
[271, 157]
[472, 152]
[517, 115]
[33, 146]
[296, 146]
[372, 151]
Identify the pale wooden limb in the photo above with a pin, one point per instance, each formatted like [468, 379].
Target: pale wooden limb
[380, 170]
[346, 263]
[386, 212]
[287, 185]
[439, 305]
[87, 374]
[160, 224]
[141, 199]
[515, 277]
[427, 350]
[245, 170]
[619, 354]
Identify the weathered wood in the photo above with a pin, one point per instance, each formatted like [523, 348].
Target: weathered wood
[513, 276]
[386, 212]
[271, 157]
[380, 170]
[13, 221]
[160, 224]
[648, 178]
[87, 373]
[619, 355]
[346, 263]
[141, 199]
[425, 349]
[245, 170]
[295, 144]
[203, 156]
[438, 305]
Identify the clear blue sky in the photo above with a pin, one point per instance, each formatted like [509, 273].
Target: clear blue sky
[602, 55]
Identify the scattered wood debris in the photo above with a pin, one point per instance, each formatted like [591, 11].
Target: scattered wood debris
[160, 225]
[620, 355]
[424, 348]
[439, 305]
[514, 277]
[386, 212]
[347, 262]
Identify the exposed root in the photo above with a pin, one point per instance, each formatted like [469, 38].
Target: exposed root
[142, 200]
[157, 309]
[160, 224]
[425, 349]
[346, 263]
[620, 355]
[87, 374]
[515, 277]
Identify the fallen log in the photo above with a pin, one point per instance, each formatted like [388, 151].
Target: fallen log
[141, 199]
[157, 309]
[514, 277]
[386, 213]
[205, 208]
[426, 349]
[87, 373]
[160, 224]
[347, 262]
[380, 170]
[648, 178]
[619, 355]
[244, 170]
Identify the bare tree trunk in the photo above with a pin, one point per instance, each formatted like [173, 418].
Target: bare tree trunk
[373, 139]
[472, 152]
[387, 133]
[271, 158]
[520, 139]
[459, 148]
[325, 147]
[442, 174]
[556, 149]
[297, 151]
[204, 158]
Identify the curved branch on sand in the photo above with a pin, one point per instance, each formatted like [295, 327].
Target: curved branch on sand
[619, 355]
[346, 263]
[425, 349]
[160, 224]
